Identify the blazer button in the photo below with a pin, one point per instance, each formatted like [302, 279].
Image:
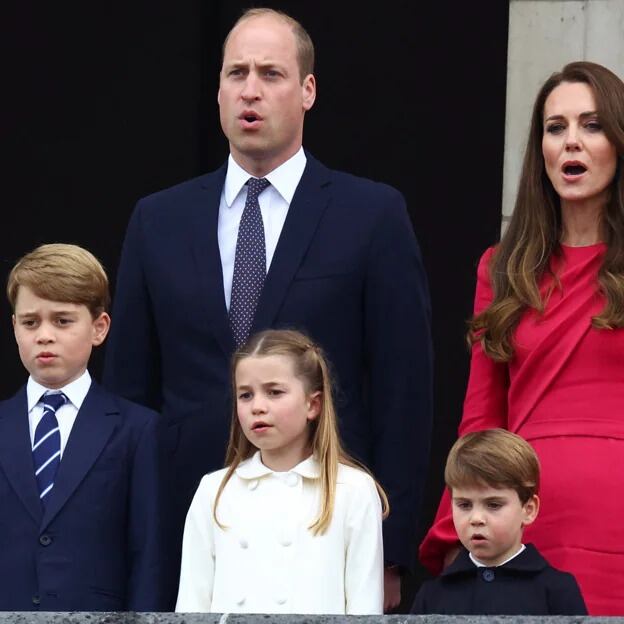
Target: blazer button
[36, 600]
[253, 484]
[488, 575]
[243, 543]
[45, 540]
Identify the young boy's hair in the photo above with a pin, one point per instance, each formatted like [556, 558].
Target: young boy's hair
[494, 457]
[312, 369]
[62, 272]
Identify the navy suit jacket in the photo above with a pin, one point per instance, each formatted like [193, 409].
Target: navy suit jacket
[97, 544]
[347, 270]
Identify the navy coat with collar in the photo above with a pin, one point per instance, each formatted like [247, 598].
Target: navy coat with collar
[347, 270]
[526, 585]
[97, 545]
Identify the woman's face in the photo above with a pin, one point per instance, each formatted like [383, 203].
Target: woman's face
[579, 158]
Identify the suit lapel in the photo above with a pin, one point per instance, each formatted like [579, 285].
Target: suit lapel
[305, 212]
[95, 422]
[204, 223]
[16, 453]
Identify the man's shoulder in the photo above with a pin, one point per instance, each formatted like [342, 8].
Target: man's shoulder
[343, 181]
[185, 189]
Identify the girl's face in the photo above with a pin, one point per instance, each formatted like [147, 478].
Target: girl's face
[274, 409]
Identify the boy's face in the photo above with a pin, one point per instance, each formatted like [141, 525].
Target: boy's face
[489, 521]
[54, 338]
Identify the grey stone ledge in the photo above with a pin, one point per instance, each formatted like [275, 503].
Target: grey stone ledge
[238, 618]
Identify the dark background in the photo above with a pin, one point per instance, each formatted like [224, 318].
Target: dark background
[106, 103]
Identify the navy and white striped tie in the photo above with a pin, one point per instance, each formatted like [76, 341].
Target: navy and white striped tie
[47, 444]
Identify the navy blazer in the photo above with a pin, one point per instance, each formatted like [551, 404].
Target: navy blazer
[526, 585]
[97, 544]
[347, 270]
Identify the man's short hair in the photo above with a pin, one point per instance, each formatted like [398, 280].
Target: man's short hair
[495, 458]
[303, 41]
[61, 272]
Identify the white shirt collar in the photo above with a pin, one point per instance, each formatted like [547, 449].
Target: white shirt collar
[483, 565]
[253, 468]
[76, 391]
[284, 179]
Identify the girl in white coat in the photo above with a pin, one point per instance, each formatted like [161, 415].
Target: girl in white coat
[292, 525]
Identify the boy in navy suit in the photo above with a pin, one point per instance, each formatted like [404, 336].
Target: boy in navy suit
[79, 482]
[493, 477]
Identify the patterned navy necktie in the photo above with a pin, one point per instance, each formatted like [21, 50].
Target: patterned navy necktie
[47, 444]
[249, 264]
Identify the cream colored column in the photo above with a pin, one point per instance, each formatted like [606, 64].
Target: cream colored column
[544, 35]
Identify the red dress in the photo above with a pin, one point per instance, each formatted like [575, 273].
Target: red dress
[563, 391]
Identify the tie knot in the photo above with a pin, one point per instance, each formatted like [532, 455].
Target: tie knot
[255, 186]
[53, 401]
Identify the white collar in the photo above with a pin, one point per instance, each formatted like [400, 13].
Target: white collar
[284, 179]
[76, 391]
[483, 565]
[253, 468]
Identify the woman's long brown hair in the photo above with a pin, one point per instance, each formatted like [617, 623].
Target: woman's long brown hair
[533, 236]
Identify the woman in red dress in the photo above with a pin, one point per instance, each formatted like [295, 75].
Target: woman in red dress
[547, 333]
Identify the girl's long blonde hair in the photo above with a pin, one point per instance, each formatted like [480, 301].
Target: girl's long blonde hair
[311, 368]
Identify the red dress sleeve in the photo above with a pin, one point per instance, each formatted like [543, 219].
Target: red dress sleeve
[485, 407]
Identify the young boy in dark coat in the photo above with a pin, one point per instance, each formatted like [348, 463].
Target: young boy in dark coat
[79, 467]
[493, 477]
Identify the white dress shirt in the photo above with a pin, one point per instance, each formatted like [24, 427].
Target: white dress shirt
[267, 560]
[274, 203]
[76, 391]
[484, 565]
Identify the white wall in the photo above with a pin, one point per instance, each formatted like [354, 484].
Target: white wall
[544, 35]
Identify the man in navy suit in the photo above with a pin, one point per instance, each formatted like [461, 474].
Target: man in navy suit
[342, 264]
[79, 471]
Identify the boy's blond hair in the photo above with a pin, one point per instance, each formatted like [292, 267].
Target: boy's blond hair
[62, 272]
[494, 457]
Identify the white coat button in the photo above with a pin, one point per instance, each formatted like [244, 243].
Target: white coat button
[241, 601]
[285, 541]
[243, 543]
[292, 479]
[253, 484]
[281, 600]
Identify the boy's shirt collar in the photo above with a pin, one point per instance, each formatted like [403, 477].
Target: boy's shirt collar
[483, 565]
[527, 561]
[76, 391]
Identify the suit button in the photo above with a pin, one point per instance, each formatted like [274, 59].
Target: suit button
[45, 540]
[36, 600]
[488, 575]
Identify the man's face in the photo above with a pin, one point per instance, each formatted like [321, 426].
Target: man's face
[262, 99]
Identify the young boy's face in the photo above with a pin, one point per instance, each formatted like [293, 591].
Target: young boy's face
[54, 338]
[489, 521]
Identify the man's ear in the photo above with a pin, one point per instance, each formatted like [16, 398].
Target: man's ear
[308, 89]
[530, 510]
